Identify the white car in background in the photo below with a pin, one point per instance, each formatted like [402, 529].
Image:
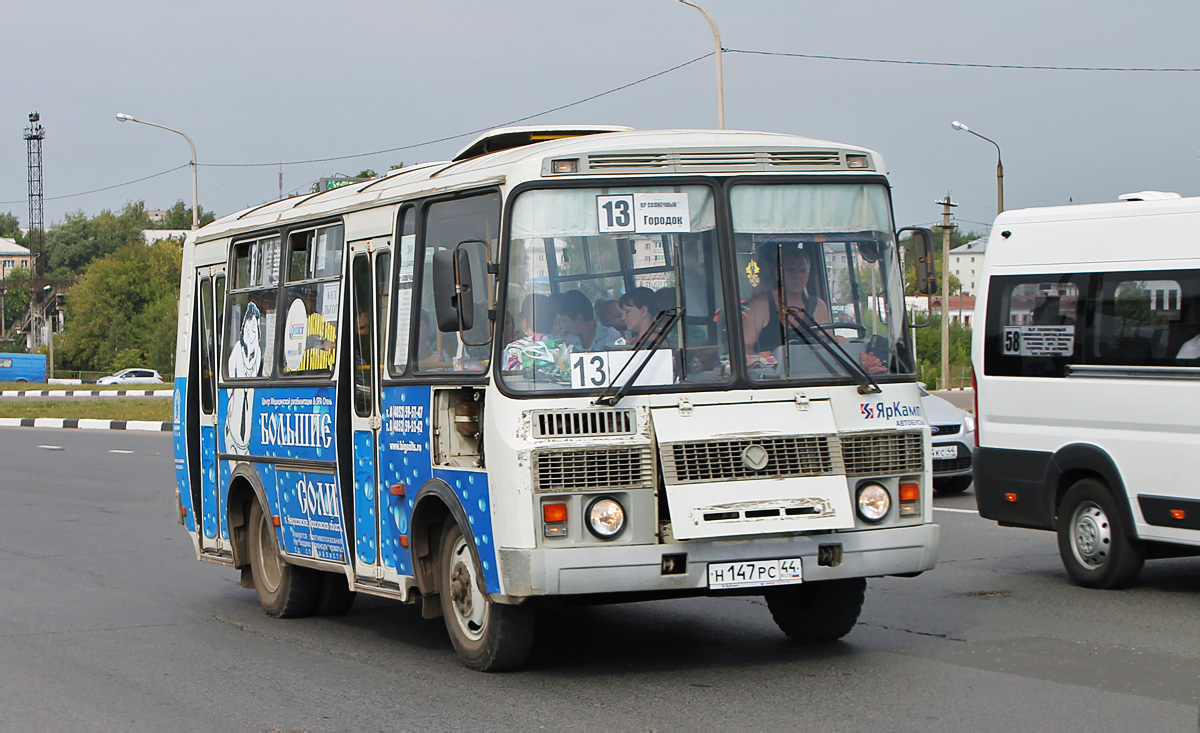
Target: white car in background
[953, 438]
[132, 376]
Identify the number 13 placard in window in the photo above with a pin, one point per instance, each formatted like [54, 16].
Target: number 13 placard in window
[643, 213]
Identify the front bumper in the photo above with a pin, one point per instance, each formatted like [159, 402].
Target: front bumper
[638, 568]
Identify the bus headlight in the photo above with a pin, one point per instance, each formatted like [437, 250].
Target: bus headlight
[606, 518]
[874, 502]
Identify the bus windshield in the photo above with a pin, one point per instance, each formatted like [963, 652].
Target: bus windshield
[606, 283]
[819, 288]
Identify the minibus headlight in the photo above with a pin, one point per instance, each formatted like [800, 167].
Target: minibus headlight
[606, 518]
[874, 502]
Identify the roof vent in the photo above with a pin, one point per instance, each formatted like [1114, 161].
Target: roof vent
[504, 138]
[1148, 196]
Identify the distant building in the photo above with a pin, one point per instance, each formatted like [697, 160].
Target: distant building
[966, 262]
[156, 216]
[962, 307]
[154, 235]
[12, 256]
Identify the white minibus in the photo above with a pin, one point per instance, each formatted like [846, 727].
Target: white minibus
[1087, 367]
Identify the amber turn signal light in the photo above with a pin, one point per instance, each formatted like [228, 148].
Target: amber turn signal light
[1010, 498]
[910, 492]
[553, 513]
[1178, 514]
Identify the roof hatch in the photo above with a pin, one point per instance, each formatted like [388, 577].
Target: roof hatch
[504, 138]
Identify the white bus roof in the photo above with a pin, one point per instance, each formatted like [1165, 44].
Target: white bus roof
[1148, 226]
[602, 153]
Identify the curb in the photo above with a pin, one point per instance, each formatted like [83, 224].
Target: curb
[88, 393]
[84, 424]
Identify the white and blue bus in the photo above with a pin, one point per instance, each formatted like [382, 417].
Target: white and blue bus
[581, 362]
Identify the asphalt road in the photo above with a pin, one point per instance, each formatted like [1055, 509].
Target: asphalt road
[110, 623]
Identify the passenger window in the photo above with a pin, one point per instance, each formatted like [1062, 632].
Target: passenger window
[312, 298]
[406, 253]
[1148, 318]
[1034, 325]
[249, 342]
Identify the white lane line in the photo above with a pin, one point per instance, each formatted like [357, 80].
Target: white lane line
[51, 447]
[121, 451]
[956, 511]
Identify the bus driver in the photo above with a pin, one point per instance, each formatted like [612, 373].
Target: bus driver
[761, 319]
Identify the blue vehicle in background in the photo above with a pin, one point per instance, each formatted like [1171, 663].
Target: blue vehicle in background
[23, 368]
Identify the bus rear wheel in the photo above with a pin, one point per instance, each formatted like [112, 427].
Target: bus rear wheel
[285, 591]
[817, 613]
[488, 636]
[1092, 539]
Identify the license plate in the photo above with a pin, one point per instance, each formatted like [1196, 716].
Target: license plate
[945, 451]
[754, 573]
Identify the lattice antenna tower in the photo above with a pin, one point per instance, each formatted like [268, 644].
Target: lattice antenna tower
[34, 134]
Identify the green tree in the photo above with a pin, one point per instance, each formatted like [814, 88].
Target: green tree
[179, 216]
[122, 311]
[16, 297]
[929, 351]
[10, 228]
[74, 243]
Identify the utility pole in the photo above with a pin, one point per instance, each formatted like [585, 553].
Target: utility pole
[946, 225]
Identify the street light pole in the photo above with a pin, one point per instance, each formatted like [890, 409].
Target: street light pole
[999, 164]
[720, 72]
[122, 117]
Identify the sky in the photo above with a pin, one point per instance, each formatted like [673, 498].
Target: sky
[255, 82]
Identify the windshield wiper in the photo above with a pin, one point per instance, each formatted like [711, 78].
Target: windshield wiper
[813, 332]
[655, 334]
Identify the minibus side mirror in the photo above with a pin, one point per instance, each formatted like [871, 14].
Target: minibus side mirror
[453, 295]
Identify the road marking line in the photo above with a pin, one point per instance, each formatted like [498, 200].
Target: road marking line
[51, 447]
[956, 511]
[120, 451]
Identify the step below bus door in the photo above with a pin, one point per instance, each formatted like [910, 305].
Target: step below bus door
[368, 274]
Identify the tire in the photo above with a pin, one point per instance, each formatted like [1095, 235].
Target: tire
[817, 613]
[334, 596]
[285, 591]
[1092, 539]
[951, 485]
[488, 636]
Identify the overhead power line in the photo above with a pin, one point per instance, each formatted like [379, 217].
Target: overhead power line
[106, 188]
[462, 134]
[958, 64]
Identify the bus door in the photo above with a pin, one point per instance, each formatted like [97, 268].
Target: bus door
[206, 510]
[368, 278]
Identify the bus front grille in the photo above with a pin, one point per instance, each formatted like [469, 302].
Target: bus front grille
[592, 469]
[582, 423]
[725, 460]
[881, 454]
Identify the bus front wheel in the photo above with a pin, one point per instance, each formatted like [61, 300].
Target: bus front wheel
[285, 591]
[488, 636]
[1092, 539]
[819, 612]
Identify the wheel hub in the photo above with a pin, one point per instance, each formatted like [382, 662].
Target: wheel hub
[460, 590]
[1090, 535]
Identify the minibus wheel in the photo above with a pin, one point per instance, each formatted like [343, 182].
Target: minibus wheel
[488, 636]
[1095, 550]
[817, 613]
[285, 591]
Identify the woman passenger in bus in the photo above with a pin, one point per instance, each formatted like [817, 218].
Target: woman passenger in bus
[638, 309]
[761, 324]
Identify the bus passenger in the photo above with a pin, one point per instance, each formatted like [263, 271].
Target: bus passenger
[761, 324]
[638, 309]
[608, 313]
[537, 321]
[575, 322]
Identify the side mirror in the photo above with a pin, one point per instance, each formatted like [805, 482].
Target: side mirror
[923, 250]
[453, 296]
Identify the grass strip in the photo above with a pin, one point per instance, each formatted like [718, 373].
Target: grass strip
[145, 408]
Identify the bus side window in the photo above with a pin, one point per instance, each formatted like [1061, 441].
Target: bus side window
[1035, 325]
[1143, 318]
[406, 250]
[311, 298]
